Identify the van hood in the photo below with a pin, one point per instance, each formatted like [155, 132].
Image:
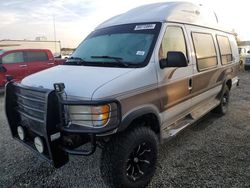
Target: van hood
[80, 81]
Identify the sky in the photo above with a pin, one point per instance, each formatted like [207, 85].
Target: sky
[75, 19]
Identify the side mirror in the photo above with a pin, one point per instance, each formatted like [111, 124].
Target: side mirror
[9, 78]
[174, 59]
[248, 51]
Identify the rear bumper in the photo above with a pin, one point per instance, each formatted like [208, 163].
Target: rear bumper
[40, 113]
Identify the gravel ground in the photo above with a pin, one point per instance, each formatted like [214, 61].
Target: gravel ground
[212, 153]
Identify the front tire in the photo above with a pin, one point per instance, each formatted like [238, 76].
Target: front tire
[129, 159]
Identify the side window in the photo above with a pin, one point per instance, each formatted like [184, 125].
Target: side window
[204, 50]
[225, 49]
[173, 40]
[15, 57]
[36, 56]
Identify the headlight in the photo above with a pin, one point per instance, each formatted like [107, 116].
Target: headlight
[91, 116]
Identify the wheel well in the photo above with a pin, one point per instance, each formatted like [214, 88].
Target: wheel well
[148, 120]
[229, 84]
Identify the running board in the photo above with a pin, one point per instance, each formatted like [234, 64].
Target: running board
[204, 108]
[176, 127]
[198, 112]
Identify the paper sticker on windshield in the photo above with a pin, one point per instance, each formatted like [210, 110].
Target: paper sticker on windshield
[144, 27]
[141, 53]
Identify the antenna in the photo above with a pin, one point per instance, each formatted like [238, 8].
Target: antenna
[216, 17]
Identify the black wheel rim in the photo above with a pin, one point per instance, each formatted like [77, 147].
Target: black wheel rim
[140, 162]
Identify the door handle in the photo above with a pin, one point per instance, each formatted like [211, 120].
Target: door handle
[190, 84]
[51, 63]
[22, 65]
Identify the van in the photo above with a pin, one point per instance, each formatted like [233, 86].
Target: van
[137, 80]
[20, 63]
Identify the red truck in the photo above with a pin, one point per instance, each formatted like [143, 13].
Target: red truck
[23, 62]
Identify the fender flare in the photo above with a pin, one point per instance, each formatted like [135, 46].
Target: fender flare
[136, 113]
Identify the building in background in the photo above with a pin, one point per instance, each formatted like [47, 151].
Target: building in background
[54, 46]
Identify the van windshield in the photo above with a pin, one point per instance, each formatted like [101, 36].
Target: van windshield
[129, 45]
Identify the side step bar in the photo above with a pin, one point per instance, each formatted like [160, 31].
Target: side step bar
[175, 128]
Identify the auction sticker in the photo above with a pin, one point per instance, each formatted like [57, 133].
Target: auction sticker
[141, 53]
[144, 27]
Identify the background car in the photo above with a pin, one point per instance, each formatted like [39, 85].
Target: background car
[23, 62]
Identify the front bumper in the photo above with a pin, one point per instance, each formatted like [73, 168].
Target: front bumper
[40, 112]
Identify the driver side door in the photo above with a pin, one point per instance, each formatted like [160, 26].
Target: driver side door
[175, 84]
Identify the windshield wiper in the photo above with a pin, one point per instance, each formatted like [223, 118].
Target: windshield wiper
[75, 60]
[117, 59]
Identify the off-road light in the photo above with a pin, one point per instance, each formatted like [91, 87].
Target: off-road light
[39, 144]
[59, 87]
[20, 132]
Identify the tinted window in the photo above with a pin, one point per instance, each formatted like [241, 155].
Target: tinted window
[15, 57]
[36, 56]
[225, 49]
[205, 51]
[173, 40]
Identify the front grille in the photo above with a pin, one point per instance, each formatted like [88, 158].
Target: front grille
[32, 108]
[31, 104]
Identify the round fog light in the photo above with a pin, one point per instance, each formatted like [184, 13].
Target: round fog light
[20, 132]
[39, 144]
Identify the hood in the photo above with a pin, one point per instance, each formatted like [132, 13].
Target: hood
[80, 81]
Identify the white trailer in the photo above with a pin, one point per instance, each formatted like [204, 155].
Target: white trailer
[54, 46]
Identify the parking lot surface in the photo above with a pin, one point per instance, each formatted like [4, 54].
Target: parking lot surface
[214, 152]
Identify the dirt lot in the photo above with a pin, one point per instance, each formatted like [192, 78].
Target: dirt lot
[213, 153]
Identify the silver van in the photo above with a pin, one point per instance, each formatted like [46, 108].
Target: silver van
[138, 79]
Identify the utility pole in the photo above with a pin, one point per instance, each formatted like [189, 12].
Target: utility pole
[54, 24]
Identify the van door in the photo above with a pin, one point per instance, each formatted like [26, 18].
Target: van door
[175, 83]
[207, 79]
[36, 61]
[14, 63]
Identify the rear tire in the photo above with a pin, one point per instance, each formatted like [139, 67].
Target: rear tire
[222, 108]
[129, 159]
